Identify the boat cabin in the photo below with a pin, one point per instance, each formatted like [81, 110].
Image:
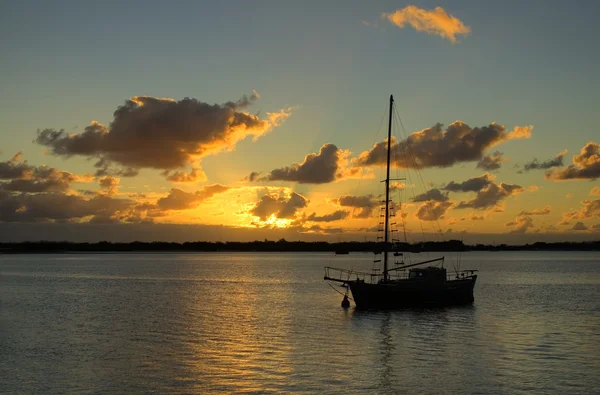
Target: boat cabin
[435, 274]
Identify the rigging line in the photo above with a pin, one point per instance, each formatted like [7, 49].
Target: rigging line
[406, 156]
[416, 166]
[362, 173]
[338, 291]
[422, 183]
[396, 158]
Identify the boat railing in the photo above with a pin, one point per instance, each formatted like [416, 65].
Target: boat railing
[345, 275]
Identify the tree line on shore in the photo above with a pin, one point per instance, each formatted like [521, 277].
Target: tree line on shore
[283, 246]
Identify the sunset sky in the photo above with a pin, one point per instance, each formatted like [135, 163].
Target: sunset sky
[150, 120]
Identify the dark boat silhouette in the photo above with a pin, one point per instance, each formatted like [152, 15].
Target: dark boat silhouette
[420, 286]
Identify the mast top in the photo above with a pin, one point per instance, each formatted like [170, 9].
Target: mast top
[391, 98]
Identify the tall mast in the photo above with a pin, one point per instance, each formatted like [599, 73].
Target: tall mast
[387, 195]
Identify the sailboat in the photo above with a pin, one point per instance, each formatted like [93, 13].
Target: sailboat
[425, 284]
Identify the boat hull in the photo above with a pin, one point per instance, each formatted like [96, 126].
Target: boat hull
[412, 293]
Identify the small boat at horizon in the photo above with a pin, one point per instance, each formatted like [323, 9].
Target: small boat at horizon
[420, 286]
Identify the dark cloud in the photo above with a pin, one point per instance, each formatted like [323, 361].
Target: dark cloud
[586, 165]
[149, 132]
[580, 226]
[34, 179]
[435, 147]
[35, 185]
[545, 211]
[180, 200]
[557, 161]
[432, 210]
[324, 167]
[491, 162]
[335, 216]
[490, 195]
[521, 224]
[196, 174]
[363, 205]
[432, 194]
[253, 176]
[109, 184]
[14, 168]
[470, 185]
[280, 206]
[59, 207]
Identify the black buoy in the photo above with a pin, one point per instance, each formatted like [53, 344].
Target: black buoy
[345, 302]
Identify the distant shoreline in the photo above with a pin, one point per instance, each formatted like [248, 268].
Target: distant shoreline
[46, 247]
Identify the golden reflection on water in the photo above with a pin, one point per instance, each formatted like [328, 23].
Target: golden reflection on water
[249, 345]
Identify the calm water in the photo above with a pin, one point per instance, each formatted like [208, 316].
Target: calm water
[178, 323]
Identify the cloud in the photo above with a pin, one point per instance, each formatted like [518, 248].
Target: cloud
[544, 211]
[432, 211]
[278, 206]
[590, 209]
[557, 161]
[435, 22]
[180, 200]
[435, 147]
[399, 186]
[335, 216]
[327, 166]
[59, 207]
[254, 176]
[432, 194]
[196, 174]
[579, 226]
[23, 177]
[363, 205]
[586, 165]
[595, 191]
[490, 195]
[470, 185]
[149, 132]
[521, 224]
[491, 162]
[109, 184]
[14, 168]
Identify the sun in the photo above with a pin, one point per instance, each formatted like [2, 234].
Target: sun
[275, 222]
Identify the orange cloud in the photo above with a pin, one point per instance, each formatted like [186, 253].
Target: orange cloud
[521, 224]
[109, 184]
[586, 165]
[590, 209]
[520, 132]
[435, 22]
[545, 211]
